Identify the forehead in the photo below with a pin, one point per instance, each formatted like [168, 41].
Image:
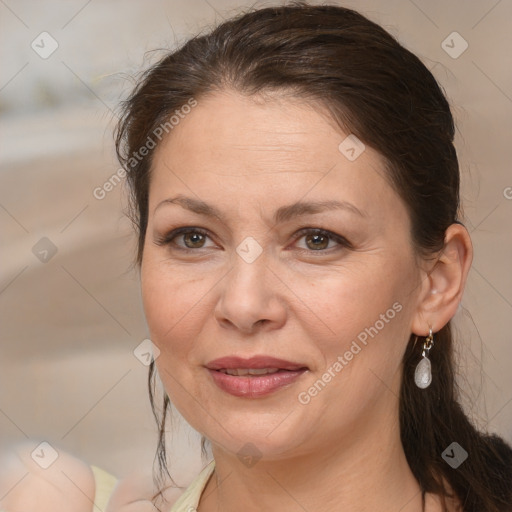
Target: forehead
[264, 150]
[275, 125]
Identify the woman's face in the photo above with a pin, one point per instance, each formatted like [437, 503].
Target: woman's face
[335, 310]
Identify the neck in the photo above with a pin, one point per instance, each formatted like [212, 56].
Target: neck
[368, 471]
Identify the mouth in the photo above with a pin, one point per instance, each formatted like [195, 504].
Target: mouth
[254, 377]
[242, 372]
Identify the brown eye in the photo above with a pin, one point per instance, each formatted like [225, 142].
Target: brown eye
[193, 239]
[184, 239]
[317, 242]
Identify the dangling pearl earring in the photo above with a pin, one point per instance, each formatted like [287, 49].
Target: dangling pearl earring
[423, 372]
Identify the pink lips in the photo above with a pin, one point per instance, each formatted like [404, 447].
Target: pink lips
[253, 386]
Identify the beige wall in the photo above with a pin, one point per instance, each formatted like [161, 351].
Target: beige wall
[68, 374]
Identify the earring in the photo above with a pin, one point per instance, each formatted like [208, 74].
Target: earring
[423, 372]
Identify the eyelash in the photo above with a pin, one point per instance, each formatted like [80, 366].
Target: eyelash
[169, 237]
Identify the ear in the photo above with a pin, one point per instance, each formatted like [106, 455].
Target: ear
[443, 285]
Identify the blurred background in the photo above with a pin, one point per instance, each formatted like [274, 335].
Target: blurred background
[71, 313]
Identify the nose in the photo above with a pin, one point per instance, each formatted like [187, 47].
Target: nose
[251, 297]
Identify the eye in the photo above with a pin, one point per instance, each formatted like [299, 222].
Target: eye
[192, 238]
[318, 240]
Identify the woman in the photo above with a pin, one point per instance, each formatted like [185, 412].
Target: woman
[295, 190]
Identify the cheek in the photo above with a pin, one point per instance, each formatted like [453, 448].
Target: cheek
[361, 359]
[341, 304]
[368, 312]
[174, 301]
[175, 316]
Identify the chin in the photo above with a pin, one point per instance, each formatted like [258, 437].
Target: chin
[249, 435]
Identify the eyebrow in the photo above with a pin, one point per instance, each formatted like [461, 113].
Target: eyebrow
[282, 214]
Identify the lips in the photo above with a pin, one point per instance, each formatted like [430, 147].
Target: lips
[254, 377]
[255, 363]
[241, 372]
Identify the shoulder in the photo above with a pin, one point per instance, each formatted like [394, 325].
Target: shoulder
[36, 476]
[135, 494]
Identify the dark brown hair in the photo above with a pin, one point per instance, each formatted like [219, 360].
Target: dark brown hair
[381, 92]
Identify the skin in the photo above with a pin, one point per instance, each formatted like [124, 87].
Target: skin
[66, 485]
[249, 156]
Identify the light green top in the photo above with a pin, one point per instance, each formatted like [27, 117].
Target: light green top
[105, 484]
[187, 502]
